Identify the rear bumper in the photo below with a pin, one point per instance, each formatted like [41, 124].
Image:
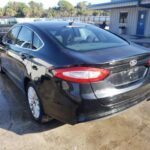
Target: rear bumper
[80, 104]
[91, 110]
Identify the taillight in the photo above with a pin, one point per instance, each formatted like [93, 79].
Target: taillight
[81, 74]
[149, 63]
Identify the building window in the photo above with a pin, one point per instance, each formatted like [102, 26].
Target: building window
[123, 17]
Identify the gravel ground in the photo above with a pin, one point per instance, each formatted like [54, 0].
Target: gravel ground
[126, 131]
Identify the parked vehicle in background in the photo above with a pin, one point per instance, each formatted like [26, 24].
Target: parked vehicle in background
[5, 24]
[8, 21]
[74, 72]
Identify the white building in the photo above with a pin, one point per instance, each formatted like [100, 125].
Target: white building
[130, 16]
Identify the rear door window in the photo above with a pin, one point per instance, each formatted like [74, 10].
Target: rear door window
[11, 36]
[24, 39]
[37, 43]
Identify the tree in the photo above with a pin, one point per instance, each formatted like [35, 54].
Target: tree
[82, 9]
[1, 12]
[9, 9]
[9, 12]
[95, 13]
[65, 7]
[21, 9]
[15, 9]
[82, 5]
[26, 11]
[36, 9]
[50, 12]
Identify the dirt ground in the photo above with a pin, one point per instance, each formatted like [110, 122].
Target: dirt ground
[129, 130]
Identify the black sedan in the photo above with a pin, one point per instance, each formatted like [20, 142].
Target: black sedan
[74, 72]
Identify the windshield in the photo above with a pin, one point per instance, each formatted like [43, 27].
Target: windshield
[85, 38]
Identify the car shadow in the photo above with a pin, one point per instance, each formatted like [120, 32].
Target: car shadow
[14, 115]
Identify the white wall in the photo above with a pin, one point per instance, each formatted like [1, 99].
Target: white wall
[147, 30]
[132, 20]
[21, 20]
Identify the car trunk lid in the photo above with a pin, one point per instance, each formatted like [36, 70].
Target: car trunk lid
[104, 56]
[128, 71]
[125, 76]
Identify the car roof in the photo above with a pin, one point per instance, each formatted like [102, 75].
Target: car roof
[46, 24]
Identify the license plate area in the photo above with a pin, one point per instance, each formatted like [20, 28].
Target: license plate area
[128, 76]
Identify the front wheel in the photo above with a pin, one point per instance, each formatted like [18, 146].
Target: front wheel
[35, 105]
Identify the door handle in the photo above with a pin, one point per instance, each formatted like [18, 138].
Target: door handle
[23, 56]
[34, 67]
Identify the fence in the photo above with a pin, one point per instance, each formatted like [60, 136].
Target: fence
[87, 19]
[6, 23]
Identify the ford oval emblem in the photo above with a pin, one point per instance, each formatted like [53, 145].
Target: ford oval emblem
[133, 63]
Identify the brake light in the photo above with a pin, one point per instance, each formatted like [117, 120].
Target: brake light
[81, 74]
[149, 63]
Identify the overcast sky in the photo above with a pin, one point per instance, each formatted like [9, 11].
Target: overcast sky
[51, 3]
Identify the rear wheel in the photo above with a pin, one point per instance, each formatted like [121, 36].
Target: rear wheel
[35, 105]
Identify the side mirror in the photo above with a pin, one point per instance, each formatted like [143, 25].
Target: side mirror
[2, 39]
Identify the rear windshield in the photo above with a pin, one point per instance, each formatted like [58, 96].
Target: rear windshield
[85, 38]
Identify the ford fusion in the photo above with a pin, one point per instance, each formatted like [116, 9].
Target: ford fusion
[74, 72]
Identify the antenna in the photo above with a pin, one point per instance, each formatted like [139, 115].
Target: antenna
[71, 23]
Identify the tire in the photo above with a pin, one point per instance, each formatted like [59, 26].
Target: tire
[35, 105]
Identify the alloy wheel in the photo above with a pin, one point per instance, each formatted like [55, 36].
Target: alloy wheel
[34, 102]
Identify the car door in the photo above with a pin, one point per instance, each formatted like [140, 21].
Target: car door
[18, 55]
[9, 42]
[21, 54]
